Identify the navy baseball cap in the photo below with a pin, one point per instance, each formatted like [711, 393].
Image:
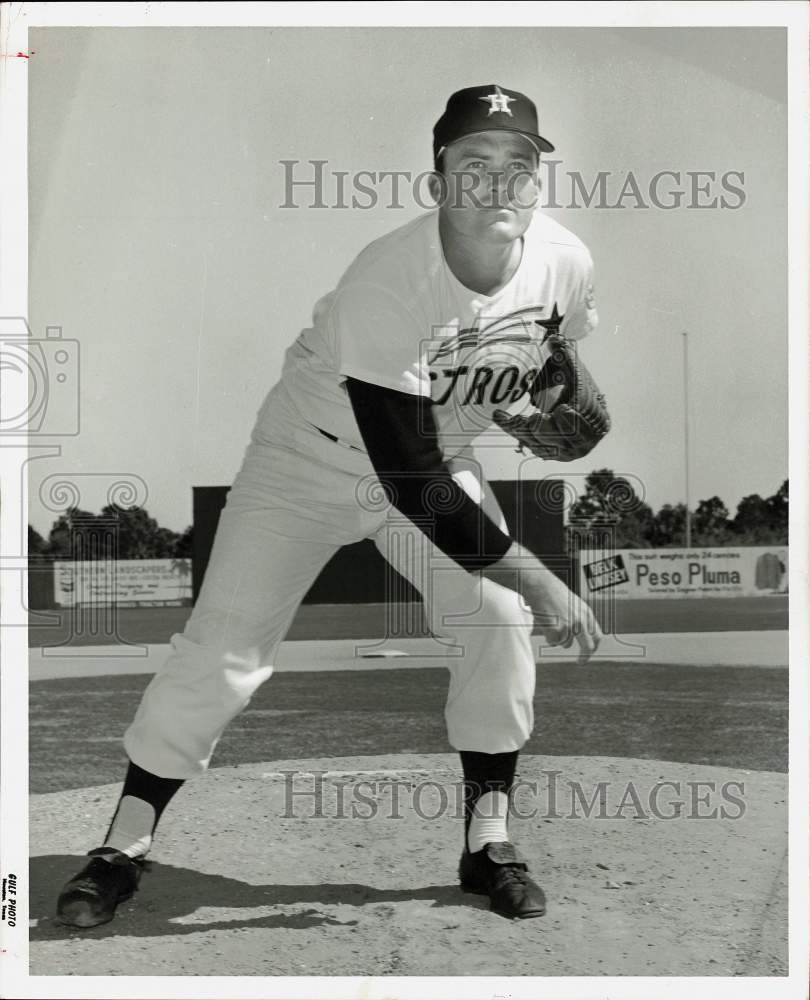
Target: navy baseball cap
[484, 109]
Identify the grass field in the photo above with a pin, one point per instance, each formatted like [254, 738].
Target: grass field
[353, 621]
[726, 716]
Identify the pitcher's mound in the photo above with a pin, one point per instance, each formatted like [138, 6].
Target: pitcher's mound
[347, 867]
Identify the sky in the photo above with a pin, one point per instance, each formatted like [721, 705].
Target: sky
[159, 245]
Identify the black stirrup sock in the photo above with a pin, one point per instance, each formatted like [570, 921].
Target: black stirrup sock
[488, 780]
[140, 806]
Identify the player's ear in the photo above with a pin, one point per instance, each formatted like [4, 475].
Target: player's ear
[437, 186]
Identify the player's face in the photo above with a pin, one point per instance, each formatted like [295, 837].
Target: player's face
[490, 187]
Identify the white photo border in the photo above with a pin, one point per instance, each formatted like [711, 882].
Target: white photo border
[17, 18]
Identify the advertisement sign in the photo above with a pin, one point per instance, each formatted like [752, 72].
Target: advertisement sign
[125, 583]
[722, 572]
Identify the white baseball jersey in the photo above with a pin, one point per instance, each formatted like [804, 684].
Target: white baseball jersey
[400, 318]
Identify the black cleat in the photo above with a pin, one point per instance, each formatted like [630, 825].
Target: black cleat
[91, 896]
[499, 872]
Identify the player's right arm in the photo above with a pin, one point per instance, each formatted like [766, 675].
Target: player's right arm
[400, 436]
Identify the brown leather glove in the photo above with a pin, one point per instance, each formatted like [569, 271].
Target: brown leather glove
[578, 420]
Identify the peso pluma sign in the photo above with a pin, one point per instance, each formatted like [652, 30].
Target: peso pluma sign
[720, 572]
[125, 582]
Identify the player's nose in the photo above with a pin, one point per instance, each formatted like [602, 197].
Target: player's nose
[497, 188]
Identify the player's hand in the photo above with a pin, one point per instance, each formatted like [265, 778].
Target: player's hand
[561, 616]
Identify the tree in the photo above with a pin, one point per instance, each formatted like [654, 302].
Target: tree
[606, 499]
[164, 543]
[115, 533]
[70, 534]
[778, 507]
[635, 529]
[752, 514]
[184, 545]
[138, 535]
[37, 546]
[610, 514]
[591, 505]
[669, 527]
[710, 523]
[761, 521]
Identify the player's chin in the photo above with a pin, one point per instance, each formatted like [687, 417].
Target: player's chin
[505, 224]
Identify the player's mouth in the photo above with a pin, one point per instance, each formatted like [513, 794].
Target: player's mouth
[495, 202]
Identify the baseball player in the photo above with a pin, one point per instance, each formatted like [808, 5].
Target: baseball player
[436, 331]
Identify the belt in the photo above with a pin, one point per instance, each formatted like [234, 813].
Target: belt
[343, 444]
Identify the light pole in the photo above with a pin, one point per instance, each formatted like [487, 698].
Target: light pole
[685, 335]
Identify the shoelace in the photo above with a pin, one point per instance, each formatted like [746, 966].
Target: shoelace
[115, 872]
[90, 882]
[510, 874]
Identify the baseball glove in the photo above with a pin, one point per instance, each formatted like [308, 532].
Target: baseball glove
[577, 417]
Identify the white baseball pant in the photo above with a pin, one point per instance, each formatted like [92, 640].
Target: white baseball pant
[297, 498]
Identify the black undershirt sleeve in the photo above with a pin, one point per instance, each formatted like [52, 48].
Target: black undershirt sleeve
[399, 432]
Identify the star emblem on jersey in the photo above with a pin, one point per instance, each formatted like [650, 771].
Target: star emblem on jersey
[552, 324]
[498, 102]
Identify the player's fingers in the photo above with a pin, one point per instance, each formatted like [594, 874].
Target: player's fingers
[561, 636]
[587, 647]
[556, 636]
[589, 638]
[505, 420]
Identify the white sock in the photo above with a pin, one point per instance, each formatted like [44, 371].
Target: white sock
[131, 831]
[488, 823]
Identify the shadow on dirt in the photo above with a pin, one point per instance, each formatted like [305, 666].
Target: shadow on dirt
[168, 894]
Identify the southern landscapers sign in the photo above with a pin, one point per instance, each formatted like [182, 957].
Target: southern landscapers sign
[721, 572]
[126, 582]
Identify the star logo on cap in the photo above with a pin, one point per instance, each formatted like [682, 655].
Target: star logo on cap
[498, 102]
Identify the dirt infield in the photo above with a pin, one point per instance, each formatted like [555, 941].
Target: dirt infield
[235, 888]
